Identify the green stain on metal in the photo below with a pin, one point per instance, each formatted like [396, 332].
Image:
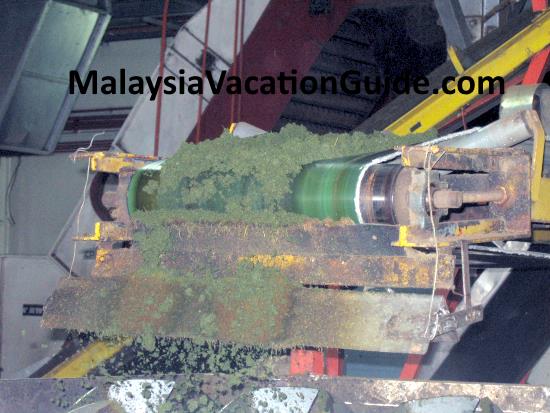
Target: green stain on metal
[153, 243]
[248, 306]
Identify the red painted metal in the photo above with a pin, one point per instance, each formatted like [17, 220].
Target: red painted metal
[539, 5]
[286, 37]
[411, 367]
[241, 58]
[334, 356]
[525, 378]
[203, 69]
[334, 362]
[235, 67]
[329, 362]
[538, 67]
[306, 362]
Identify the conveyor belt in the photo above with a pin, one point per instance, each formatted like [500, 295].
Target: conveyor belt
[374, 43]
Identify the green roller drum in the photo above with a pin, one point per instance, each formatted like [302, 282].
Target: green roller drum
[350, 188]
[327, 189]
[142, 191]
[357, 188]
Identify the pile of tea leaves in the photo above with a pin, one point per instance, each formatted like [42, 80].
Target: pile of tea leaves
[250, 180]
[226, 180]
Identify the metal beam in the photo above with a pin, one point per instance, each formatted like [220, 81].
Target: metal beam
[454, 23]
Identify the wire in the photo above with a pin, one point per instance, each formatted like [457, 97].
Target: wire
[84, 191]
[203, 69]
[428, 166]
[161, 76]
[464, 124]
[7, 201]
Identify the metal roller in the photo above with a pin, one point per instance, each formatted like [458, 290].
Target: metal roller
[344, 188]
[363, 189]
[354, 189]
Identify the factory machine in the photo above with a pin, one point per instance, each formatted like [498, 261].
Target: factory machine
[402, 223]
[383, 240]
[374, 265]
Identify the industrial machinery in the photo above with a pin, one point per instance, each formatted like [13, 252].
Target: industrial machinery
[387, 237]
[406, 214]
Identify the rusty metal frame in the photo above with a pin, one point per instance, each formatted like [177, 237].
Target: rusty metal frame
[485, 169]
[314, 254]
[360, 255]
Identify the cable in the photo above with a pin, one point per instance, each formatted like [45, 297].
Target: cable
[428, 166]
[464, 124]
[7, 201]
[73, 156]
[161, 76]
[203, 69]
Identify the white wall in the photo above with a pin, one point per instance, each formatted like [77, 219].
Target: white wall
[25, 345]
[45, 191]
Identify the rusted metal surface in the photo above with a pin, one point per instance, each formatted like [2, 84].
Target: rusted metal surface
[363, 393]
[374, 271]
[116, 262]
[312, 238]
[493, 188]
[129, 306]
[257, 243]
[303, 253]
[446, 199]
[342, 270]
[114, 162]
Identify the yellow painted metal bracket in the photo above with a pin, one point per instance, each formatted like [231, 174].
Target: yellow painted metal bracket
[455, 60]
[96, 236]
[114, 162]
[500, 62]
[106, 231]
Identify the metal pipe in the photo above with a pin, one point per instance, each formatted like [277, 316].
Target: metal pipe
[505, 132]
[497, 195]
[449, 199]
